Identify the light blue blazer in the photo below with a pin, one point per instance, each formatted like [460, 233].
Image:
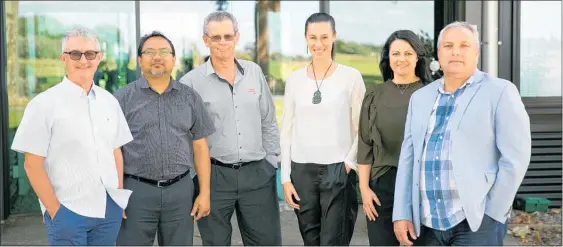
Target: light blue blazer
[490, 153]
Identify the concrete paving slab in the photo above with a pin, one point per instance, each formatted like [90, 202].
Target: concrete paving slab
[29, 230]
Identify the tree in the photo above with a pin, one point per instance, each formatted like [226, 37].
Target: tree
[12, 8]
[428, 42]
[262, 57]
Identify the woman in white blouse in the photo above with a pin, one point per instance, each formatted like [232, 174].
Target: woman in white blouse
[319, 139]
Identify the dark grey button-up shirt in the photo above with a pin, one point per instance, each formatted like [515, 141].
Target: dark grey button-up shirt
[244, 115]
[163, 128]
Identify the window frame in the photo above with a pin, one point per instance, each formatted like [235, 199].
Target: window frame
[5, 168]
[544, 112]
[509, 58]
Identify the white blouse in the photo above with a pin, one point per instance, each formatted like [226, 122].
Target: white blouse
[322, 133]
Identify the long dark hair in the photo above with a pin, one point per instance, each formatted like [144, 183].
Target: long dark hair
[321, 17]
[421, 70]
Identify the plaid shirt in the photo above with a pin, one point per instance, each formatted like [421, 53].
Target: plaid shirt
[440, 202]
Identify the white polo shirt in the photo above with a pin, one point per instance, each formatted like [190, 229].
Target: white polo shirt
[77, 134]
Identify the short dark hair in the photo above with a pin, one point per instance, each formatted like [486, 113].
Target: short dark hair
[321, 17]
[151, 35]
[421, 70]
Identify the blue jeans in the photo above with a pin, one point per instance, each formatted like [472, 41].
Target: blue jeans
[69, 228]
[491, 232]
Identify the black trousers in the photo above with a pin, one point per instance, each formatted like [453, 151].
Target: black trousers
[251, 193]
[380, 231]
[328, 205]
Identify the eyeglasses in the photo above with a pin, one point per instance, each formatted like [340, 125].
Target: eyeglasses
[152, 52]
[226, 37]
[76, 55]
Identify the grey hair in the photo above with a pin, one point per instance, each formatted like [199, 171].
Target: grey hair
[472, 28]
[219, 16]
[80, 32]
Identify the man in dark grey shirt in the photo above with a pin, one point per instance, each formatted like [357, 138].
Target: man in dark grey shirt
[246, 143]
[169, 125]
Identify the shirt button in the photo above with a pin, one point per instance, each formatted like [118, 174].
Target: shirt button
[437, 157]
[240, 147]
[439, 200]
[440, 137]
[436, 178]
[447, 118]
[239, 134]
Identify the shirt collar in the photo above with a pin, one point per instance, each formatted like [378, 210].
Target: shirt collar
[467, 83]
[143, 83]
[77, 90]
[211, 70]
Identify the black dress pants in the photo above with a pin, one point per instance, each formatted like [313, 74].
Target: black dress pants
[328, 205]
[380, 231]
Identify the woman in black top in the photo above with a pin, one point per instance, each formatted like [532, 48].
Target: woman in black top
[382, 123]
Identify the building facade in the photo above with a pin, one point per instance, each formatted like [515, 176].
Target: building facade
[520, 42]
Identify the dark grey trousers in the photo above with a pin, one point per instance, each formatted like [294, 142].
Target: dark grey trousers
[250, 192]
[164, 210]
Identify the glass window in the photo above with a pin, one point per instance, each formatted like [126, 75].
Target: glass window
[363, 27]
[272, 35]
[540, 48]
[182, 23]
[34, 31]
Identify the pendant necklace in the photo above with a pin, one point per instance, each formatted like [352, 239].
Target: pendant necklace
[317, 95]
[403, 87]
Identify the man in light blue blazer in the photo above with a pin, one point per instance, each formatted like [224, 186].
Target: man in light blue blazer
[466, 149]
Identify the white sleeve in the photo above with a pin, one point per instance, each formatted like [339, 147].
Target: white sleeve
[356, 99]
[123, 135]
[34, 132]
[286, 132]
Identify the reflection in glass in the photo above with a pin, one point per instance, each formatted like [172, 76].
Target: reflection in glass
[34, 31]
[363, 26]
[182, 23]
[272, 35]
[540, 48]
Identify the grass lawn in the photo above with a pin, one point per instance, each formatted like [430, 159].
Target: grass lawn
[14, 117]
[279, 69]
[279, 109]
[367, 65]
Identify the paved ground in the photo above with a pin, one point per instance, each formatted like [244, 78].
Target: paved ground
[29, 230]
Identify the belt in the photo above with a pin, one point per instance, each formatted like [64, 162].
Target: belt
[158, 183]
[235, 166]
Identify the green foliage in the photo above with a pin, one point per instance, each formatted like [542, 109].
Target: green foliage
[428, 43]
[356, 48]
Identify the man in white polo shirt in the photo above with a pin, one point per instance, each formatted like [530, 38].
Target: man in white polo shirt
[71, 135]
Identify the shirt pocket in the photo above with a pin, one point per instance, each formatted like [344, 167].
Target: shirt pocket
[179, 118]
[106, 125]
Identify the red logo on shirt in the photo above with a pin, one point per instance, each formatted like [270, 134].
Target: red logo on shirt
[252, 91]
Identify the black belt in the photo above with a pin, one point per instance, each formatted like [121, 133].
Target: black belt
[158, 183]
[235, 166]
